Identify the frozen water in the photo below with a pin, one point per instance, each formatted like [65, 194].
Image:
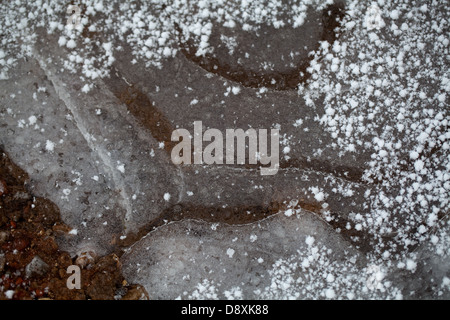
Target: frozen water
[363, 186]
[194, 259]
[296, 257]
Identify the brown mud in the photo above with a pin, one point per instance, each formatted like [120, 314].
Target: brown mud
[31, 264]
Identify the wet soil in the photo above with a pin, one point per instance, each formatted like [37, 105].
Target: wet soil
[31, 264]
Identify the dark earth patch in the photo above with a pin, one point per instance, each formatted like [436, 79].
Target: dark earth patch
[31, 264]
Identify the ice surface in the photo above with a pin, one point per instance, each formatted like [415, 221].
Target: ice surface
[296, 257]
[194, 259]
[85, 144]
[364, 167]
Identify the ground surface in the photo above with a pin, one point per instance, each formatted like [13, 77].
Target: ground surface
[31, 264]
[359, 205]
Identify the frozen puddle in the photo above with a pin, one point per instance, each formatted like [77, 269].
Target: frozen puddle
[359, 205]
[296, 257]
[280, 257]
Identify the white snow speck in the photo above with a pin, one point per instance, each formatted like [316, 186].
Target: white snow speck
[9, 294]
[32, 120]
[49, 146]
[71, 44]
[309, 240]
[330, 278]
[319, 196]
[414, 155]
[121, 168]
[394, 14]
[236, 90]
[330, 294]
[411, 265]
[86, 88]
[418, 165]
[167, 196]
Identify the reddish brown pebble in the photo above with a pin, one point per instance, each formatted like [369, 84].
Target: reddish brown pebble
[21, 243]
[39, 293]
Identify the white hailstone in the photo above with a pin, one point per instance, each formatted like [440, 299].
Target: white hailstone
[167, 196]
[71, 44]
